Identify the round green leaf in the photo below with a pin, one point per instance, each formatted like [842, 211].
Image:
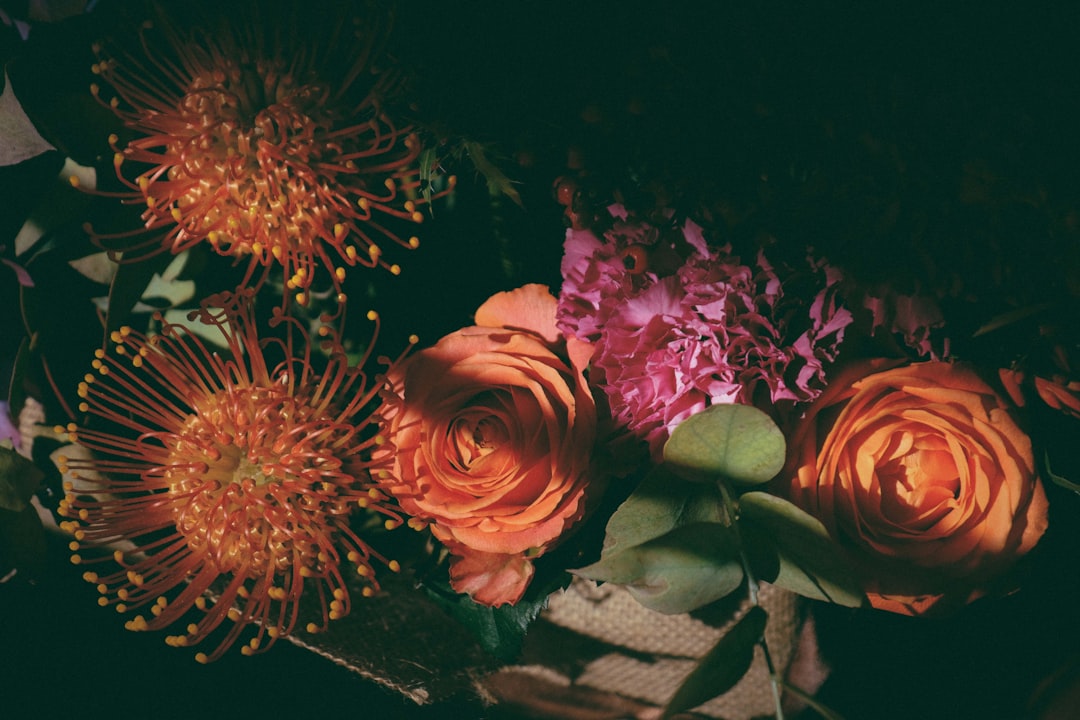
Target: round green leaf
[736, 443]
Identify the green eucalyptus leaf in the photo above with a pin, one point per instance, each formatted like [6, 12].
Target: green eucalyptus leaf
[686, 569]
[19, 478]
[792, 549]
[723, 666]
[736, 443]
[662, 502]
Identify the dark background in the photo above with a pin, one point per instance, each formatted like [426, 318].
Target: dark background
[859, 128]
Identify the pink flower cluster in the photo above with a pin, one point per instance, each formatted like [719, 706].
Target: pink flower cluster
[678, 325]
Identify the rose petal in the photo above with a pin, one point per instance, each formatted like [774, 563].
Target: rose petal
[530, 308]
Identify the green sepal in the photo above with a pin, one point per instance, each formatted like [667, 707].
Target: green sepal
[499, 630]
[497, 181]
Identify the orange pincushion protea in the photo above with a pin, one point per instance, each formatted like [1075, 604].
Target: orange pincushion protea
[267, 145]
[227, 474]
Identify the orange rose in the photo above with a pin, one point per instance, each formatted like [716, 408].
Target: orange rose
[923, 474]
[490, 434]
[1060, 393]
[1058, 390]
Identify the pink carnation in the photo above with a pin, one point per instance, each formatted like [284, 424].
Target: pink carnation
[718, 332]
[598, 273]
[712, 330]
[913, 317]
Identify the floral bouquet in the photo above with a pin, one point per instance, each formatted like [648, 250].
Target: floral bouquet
[278, 375]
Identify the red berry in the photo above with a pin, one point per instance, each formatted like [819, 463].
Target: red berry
[565, 188]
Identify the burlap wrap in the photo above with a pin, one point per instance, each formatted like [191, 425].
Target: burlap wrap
[597, 653]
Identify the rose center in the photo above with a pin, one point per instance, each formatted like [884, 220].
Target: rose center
[474, 437]
[920, 483]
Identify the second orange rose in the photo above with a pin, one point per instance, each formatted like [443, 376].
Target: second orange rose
[923, 473]
[490, 434]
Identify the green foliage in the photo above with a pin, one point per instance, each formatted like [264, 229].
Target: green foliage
[670, 545]
[723, 666]
[128, 286]
[793, 550]
[497, 181]
[22, 540]
[661, 503]
[736, 443]
[19, 478]
[499, 630]
[674, 543]
[1059, 479]
[683, 570]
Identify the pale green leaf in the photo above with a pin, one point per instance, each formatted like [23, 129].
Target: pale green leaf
[736, 443]
[807, 561]
[684, 570]
[723, 666]
[98, 267]
[661, 503]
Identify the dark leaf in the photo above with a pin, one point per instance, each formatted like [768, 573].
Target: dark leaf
[1059, 479]
[499, 630]
[22, 539]
[19, 478]
[723, 666]
[128, 285]
[16, 396]
[52, 77]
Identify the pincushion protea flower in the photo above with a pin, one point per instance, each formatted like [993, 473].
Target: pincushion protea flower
[269, 145]
[228, 475]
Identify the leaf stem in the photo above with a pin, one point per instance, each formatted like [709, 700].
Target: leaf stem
[731, 513]
[752, 588]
